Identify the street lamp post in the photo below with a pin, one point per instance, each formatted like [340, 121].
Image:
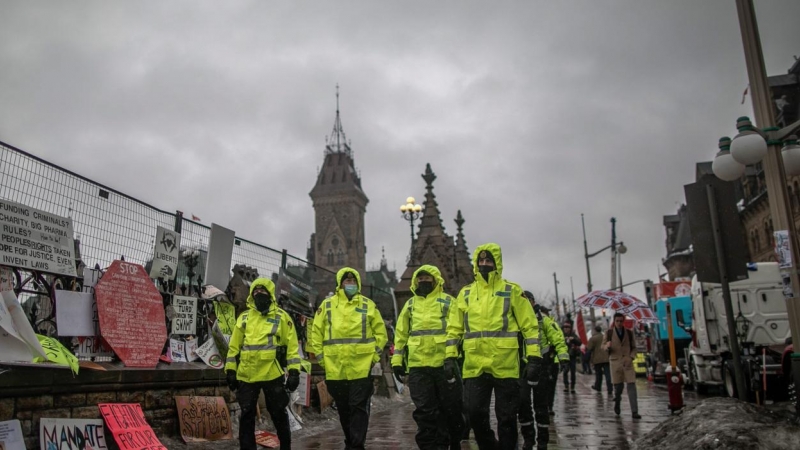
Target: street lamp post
[615, 246]
[411, 212]
[752, 144]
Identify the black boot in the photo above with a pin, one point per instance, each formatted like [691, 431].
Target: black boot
[616, 406]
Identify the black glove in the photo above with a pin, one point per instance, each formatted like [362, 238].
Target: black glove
[564, 366]
[451, 369]
[230, 377]
[532, 370]
[293, 380]
[400, 371]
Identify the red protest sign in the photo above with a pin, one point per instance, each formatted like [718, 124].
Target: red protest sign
[267, 439]
[126, 423]
[131, 314]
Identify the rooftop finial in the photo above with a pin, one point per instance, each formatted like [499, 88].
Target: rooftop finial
[338, 142]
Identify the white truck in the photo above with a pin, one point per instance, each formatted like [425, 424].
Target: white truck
[762, 324]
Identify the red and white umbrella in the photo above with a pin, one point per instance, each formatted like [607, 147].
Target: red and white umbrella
[621, 302]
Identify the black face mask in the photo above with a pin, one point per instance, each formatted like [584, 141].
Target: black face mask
[263, 302]
[424, 288]
[484, 271]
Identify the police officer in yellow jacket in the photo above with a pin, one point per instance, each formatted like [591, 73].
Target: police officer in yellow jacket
[489, 314]
[252, 364]
[551, 342]
[347, 337]
[419, 349]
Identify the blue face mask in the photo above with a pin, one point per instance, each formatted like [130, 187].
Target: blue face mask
[351, 289]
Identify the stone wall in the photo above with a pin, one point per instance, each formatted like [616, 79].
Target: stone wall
[26, 395]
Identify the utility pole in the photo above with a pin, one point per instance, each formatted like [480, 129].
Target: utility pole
[613, 253]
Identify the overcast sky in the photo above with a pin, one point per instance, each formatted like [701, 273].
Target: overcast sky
[530, 113]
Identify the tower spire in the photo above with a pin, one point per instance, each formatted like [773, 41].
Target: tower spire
[338, 141]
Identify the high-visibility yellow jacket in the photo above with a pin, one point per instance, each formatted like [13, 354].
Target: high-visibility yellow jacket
[421, 330]
[551, 339]
[348, 335]
[256, 337]
[488, 317]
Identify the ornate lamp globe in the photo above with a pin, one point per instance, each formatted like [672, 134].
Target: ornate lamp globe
[748, 147]
[622, 249]
[724, 166]
[791, 156]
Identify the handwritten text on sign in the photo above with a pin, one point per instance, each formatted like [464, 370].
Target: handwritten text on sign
[78, 434]
[131, 314]
[185, 314]
[131, 431]
[36, 240]
[203, 418]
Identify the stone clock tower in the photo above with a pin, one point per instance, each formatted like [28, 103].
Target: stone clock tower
[339, 207]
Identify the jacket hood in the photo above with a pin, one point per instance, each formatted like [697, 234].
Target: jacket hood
[492, 248]
[267, 283]
[437, 275]
[340, 276]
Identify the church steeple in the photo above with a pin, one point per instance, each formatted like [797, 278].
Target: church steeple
[339, 205]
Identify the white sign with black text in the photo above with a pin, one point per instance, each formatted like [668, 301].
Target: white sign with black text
[185, 314]
[36, 240]
[165, 254]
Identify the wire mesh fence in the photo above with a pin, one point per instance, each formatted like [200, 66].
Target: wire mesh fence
[110, 225]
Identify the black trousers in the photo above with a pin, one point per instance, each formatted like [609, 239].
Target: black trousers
[552, 381]
[569, 376]
[438, 408]
[277, 400]
[506, 401]
[352, 401]
[600, 370]
[536, 405]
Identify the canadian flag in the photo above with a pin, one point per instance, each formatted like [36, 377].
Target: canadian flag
[195, 218]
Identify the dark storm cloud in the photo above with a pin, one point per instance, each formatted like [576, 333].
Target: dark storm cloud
[530, 113]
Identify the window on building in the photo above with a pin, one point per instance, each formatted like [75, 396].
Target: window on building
[330, 257]
[340, 257]
[756, 241]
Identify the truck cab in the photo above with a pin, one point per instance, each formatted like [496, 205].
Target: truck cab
[762, 324]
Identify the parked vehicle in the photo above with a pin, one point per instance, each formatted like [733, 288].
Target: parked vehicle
[681, 312]
[762, 325]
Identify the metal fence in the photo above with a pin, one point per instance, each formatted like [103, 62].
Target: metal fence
[111, 225]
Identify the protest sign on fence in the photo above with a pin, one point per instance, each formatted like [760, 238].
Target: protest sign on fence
[185, 314]
[78, 434]
[131, 314]
[127, 424]
[210, 355]
[17, 339]
[203, 418]
[36, 240]
[165, 254]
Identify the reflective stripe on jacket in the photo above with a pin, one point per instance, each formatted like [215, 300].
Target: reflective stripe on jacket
[253, 346]
[488, 317]
[421, 330]
[348, 335]
[553, 339]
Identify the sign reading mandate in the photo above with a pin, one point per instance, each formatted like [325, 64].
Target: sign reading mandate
[36, 240]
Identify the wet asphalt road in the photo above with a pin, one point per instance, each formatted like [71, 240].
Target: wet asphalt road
[583, 420]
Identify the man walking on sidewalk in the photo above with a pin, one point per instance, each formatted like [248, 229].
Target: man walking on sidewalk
[574, 344]
[621, 348]
[599, 360]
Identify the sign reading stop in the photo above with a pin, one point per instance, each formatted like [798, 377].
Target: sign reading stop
[131, 314]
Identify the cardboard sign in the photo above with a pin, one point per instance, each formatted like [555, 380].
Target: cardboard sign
[126, 423]
[267, 439]
[36, 240]
[177, 350]
[72, 434]
[203, 418]
[210, 355]
[93, 348]
[131, 314]
[325, 399]
[185, 314]
[18, 341]
[75, 313]
[165, 254]
[220, 253]
[11, 435]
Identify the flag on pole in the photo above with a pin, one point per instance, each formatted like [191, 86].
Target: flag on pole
[581, 327]
[744, 94]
